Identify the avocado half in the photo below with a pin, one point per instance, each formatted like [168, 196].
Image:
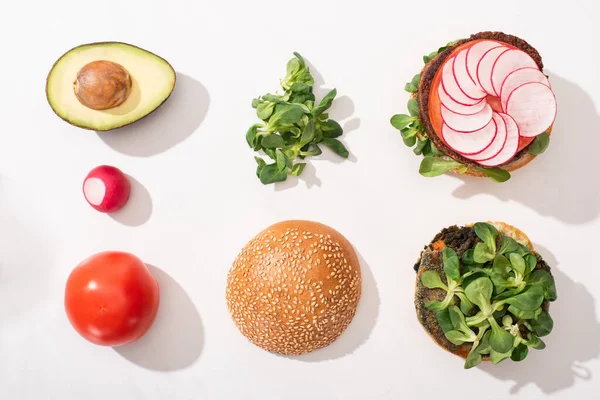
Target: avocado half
[150, 81]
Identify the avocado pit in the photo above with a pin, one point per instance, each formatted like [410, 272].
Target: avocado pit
[101, 85]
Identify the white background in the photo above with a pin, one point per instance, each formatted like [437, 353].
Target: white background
[196, 200]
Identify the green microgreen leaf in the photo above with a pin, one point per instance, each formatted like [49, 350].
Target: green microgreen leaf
[331, 129]
[298, 168]
[539, 145]
[451, 263]
[508, 245]
[431, 279]
[422, 144]
[517, 262]
[543, 324]
[336, 146]
[482, 253]
[325, 103]
[528, 300]
[308, 134]
[546, 281]
[519, 353]
[496, 174]
[535, 342]
[401, 121]
[272, 141]
[271, 173]
[413, 85]
[251, 135]
[501, 341]
[434, 166]
[413, 107]
[443, 318]
[487, 233]
[465, 304]
[283, 163]
[467, 257]
[479, 292]
[264, 110]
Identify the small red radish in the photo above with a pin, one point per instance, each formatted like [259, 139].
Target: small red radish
[106, 189]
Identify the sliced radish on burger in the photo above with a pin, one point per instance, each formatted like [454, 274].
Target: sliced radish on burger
[457, 107]
[106, 189]
[484, 68]
[467, 123]
[451, 87]
[520, 77]
[464, 81]
[510, 147]
[533, 107]
[474, 54]
[508, 62]
[497, 144]
[470, 143]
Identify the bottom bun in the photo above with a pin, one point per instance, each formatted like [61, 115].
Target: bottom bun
[459, 239]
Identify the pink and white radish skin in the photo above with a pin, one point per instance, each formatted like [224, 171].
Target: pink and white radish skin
[106, 189]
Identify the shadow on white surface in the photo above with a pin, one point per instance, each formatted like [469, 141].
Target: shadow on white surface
[170, 124]
[341, 109]
[574, 340]
[309, 177]
[138, 209]
[563, 182]
[360, 328]
[176, 338]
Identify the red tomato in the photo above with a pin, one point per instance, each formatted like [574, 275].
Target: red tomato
[111, 298]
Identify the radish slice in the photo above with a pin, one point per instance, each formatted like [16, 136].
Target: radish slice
[533, 106]
[467, 123]
[508, 62]
[465, 83]
[474, 54]
[484, 68]
[497, 144]
[451, 87]
[470, 143]
[457, 107]
[510, 147]
[518, 78]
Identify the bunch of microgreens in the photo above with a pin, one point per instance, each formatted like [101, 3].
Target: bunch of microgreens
[292, 125]
[435, 162]
[500, 294]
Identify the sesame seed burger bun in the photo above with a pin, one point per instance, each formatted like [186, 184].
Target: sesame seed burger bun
[459, 239]
[294, 288]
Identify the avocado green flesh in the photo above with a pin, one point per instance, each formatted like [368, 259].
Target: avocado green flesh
[152, 78]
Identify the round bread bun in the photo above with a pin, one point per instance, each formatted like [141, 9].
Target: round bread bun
[295, 287]
[428, 74]
[459, 239]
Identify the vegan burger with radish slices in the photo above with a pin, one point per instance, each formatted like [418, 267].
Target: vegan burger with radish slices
[481, 106]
